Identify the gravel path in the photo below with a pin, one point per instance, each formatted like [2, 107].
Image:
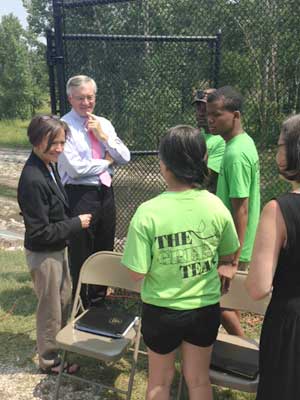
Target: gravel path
[11, 164]
[26, 384]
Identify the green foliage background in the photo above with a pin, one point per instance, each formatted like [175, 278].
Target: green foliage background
[146, 86]
[23, 72]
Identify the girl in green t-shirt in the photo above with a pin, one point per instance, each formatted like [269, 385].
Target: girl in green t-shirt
[174, 243]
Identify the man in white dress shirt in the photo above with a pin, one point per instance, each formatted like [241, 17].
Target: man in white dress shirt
[85, 168]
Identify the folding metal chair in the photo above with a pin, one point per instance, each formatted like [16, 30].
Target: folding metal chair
[102, 268]
[237, 299]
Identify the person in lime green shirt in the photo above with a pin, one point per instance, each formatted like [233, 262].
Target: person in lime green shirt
[182, 243]
[239, 182]
[215, 143]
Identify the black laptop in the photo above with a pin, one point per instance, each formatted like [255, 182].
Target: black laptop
[106, 322]
[234, 359]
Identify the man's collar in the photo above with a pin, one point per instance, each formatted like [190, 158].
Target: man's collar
[235, 136]
[77, 117]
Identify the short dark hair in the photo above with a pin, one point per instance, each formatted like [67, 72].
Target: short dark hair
[290, 132]
[183, 151]
[233, 100]
[45, 125]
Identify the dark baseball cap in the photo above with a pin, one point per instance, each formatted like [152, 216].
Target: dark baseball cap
[201, 95]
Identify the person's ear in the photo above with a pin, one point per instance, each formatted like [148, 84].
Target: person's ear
[236, 115]
[162, 165]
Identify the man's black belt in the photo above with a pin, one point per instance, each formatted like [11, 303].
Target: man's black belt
[86, 187]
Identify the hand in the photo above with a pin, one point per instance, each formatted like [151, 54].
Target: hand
[225, 284]
[85, 220]
[226, 273]
[227, 270]
[94, 124]
[108, 157]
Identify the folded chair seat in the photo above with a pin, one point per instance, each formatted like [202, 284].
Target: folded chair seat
[102, 268]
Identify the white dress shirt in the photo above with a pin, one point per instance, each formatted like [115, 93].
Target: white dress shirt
[76, 165]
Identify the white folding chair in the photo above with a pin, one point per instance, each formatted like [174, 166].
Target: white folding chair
[237, 299]
[102, 268]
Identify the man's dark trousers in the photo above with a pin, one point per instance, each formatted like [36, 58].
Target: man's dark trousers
[99, 201]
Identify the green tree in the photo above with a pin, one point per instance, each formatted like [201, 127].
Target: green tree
[39, 15]
[259, 54]
[15, 77]
[39, 72]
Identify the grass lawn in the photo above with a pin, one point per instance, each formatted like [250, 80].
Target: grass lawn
[13, 133]
[17, 335]
[17, 308]
[8, 191]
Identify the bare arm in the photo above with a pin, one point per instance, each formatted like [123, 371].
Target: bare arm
[135, 276]
[240, 217]
[270, 238]
[227, 268]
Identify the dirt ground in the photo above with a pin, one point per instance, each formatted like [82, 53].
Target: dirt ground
[11, 163]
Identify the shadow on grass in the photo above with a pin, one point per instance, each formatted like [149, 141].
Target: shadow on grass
[8, 191]
[17, 349]
[19, 301]
[220, 393]
[228, 394]
[115, 375]
[20, 277]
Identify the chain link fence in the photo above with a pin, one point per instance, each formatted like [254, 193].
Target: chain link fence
[147, 57]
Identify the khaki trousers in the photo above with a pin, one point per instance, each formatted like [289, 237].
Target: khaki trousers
[52, 285]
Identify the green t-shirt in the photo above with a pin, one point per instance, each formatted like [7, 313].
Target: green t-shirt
[175, 239]
[215, 148]
[239, 178]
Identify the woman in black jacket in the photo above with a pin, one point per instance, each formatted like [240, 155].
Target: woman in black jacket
[48, 227]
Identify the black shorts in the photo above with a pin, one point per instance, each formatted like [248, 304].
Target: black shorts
[165, 329]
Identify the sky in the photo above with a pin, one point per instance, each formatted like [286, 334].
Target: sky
[15, 7]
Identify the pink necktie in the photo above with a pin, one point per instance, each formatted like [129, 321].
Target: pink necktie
[104, 177]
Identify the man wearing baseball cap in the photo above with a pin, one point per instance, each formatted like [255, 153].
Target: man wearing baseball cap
[215, 143]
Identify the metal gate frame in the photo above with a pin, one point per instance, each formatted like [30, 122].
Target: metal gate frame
[56, 56]
[128, 193]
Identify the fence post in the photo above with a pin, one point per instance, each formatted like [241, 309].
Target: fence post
[217, 59]
[60, 62]
[50, 63]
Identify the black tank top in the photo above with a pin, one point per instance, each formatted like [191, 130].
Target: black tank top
[286, 282]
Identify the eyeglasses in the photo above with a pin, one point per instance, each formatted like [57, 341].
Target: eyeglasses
[82, 98]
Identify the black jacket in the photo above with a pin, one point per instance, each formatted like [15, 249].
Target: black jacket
[45, 208]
